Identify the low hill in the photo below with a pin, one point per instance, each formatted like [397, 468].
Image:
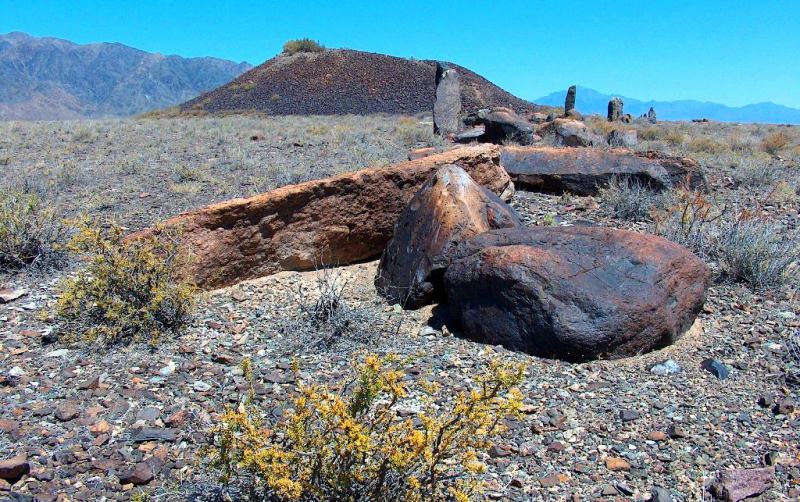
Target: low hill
[343, 81]
[49, 78]
[590, 101]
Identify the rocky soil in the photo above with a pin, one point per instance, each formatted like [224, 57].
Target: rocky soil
[91, 424]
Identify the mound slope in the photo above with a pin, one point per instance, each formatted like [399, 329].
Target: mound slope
[343, 81]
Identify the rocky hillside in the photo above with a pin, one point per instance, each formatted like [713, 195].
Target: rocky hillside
[50, 78]
[341, 81]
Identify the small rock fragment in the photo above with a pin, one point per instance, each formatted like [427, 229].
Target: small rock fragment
[715, 367]
[11, 469]
[738, 484]
[667, 367]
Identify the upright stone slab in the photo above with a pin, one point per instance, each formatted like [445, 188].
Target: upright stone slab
[614, 109]
[569, 102]
[651, 115]
[447, 104]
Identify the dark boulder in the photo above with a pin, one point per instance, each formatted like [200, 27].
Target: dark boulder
[651, 115]
[447, 102]
[583, 171]
[569, 101]
[615, 109]
[623, 138]
[501, 124]
[449, 208]
[574, 293]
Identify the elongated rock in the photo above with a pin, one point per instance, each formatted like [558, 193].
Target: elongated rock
[583, 171]
[449, 208]
[338, 220]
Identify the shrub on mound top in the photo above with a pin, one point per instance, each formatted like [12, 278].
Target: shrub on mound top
[302, 45]
[355, 445]
[130, 290]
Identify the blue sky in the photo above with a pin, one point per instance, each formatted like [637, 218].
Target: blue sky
[733, 52]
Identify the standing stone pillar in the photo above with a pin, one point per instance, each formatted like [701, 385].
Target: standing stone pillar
[447, 102]
[614, 109]
[569, 102]
[651, 115]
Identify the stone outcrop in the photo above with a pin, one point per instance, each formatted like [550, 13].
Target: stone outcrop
[343, 219]
[651, 115]
[569, 132]
[447, 102]
[449, 208]
[574, 293]
[569, 101]
[614, 109]
[623, 138]
[501, 124]
[583, 171]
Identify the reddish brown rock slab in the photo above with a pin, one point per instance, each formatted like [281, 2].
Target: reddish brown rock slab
[11, 469]
[574, 293]
[340, 220]
[583, 171]
[738, 484]
[449, 208]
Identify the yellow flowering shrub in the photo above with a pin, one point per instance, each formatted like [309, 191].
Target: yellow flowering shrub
[354, 445]
[130, 289]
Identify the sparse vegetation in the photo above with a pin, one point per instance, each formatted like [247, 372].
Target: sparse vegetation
[353, 444]
[31, 233]
[632, 200]
[775, 142]
[302, 45]
[130, 290]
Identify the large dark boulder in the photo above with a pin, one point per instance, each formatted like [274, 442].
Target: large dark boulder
[569, 101]
[583, 171]
[574, 293]
[447, 102]
[615, 106]
[449, 208]
[501, 124]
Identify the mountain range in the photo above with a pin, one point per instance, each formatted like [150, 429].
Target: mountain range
[49, 78]
[589, 101]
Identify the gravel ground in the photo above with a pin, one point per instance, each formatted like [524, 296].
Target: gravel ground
[603, 430]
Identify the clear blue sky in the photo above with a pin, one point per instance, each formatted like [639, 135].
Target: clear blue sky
[733, 52]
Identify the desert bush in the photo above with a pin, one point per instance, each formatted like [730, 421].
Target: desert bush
[631, 199]
[704, 144]
[753, 171]
[757, 252]
[689, 221]
[302, 45]
[354, 444]
[775, 142]
[31, 234]
[130, 289]
[782, 194]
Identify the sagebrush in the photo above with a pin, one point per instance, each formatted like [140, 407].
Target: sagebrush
[31, 232]
[355, 445]
[129, 290]
[630, 199]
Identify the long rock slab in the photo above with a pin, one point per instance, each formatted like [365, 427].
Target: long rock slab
[583, 171]
[338, 220]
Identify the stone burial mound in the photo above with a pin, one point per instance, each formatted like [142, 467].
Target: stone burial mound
[341, 220]
[573, 293]
[583, 171]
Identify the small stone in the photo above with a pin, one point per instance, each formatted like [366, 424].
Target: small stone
[499, 451]
[177, 419]
[657, 436]
[148, 414]
[715, 367]
[153, 434]
[628, 415]
[766, 400]
[67, 411]
[660, 495]
[783, 406]
[11, 469]
[617, 464]
[167, 370]
[549, 481]
[667, 367]
[9, 295]
[676, 431]
[609, 491]
[201, 386]
[737, 484]
[141, 474]
[16, 372]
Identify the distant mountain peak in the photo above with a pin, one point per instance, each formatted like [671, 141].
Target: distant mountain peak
[45, 78]
[590, 101]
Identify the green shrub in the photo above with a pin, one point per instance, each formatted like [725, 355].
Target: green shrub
[356, 445]
[631, 199]
[31, 234]
[130, 289]
[302, 45]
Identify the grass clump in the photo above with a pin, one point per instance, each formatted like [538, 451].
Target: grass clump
[130, 289]
[354, 445]
[775, 142]
[630, 199]
[31, 234]
[302, 45]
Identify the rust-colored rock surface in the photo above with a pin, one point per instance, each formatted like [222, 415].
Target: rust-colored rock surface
[574, 293]
[583, 171]
[343, 219]
[449, 208]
